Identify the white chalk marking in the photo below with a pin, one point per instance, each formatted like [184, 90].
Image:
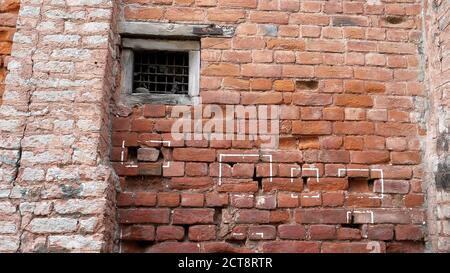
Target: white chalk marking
[260, 234]
[122, 152]
[270, 171]
[312, 196]
[292, 173]
[365, 212]
[313, 169]
[349, 213]
[159, 141]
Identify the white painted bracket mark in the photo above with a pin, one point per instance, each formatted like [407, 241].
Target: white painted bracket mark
[237, 234]
[343, 170]
[312, 196]
[270, 167]
[294, 195]
[260, 234]
[349, 213]
[160, 141]
[292, 173]
[313, 169]
[167, 166]
[366, 212]
[132, 166]
[122, 152]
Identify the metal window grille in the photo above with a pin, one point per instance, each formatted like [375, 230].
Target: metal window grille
[165, 72]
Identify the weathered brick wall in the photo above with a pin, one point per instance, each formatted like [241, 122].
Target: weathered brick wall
[56, 183]
[348, 77]
[8, 16]
[437, 26]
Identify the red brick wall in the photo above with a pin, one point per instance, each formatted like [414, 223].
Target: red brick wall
[8, 16]
[364, 113]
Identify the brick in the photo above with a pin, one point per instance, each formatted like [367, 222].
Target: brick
[414, 200]
[325, 46]
[184, 14]
[288, 200]
[350, 247]
[183, 183]
[392, 186]
[333, 72]
[282, 184]
[194, 154]
[369, 157]
[202, 232]
[287, 44]
[238, 3]
[151, 169]
[164, 233]
[148, 13]
[242, 200]
[196, 169]
[353, 100]
[154, 111]
[174, 168]
[222, 69]
[174, 247]
[354, 128]
[216, 200]
[193, 216]
[322, 232]
[310, 99]
[148, 154]
[238, 186]
[261, 70]
[405, 157]
[138, 233]
[311, 127]
[291, 232]
[291, 247]
[331, 156]
[262, 232]
[243, 170]
[348, 234]
[333, 199]
[264, 17]
[320, 216]
[252, 98]
[408, 232]
[137, 216]
[168, 199]
[266, 202]
[395, 129]
[380, 232]
[252, 216]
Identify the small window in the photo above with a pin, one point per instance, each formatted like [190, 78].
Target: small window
[160, 71]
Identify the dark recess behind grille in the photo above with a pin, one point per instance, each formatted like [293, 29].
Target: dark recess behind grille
[163, 72]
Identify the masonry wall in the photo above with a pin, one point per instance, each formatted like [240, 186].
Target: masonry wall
[56, 183]
[349, 79]
[8, 17]
[437, 155]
